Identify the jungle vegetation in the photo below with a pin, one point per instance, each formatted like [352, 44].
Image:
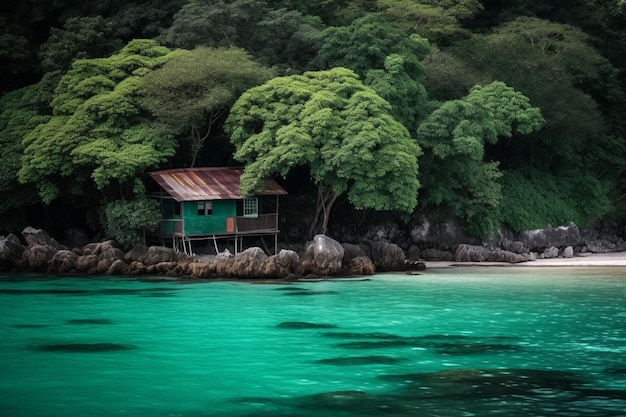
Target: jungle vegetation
[492, 112]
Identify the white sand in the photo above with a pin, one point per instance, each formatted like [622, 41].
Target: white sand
[586, 260]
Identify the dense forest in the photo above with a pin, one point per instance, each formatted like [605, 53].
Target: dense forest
[495, 113]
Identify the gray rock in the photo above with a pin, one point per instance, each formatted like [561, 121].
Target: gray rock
[551, 252]
[474, 253]
[38, 237]
[561, 236]
[351, 251]
[388, 256]
[442, 235]
[87, 263]
[248, 264]
[568, 252]
[11, 251]
[119, 267]
[323, 256]
[159, 254]
[437, 255]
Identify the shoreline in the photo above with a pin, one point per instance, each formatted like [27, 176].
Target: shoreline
[611, 259]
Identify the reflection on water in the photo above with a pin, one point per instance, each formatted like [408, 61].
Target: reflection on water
[451, 342]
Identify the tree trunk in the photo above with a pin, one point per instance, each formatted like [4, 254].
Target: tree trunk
[325, 200]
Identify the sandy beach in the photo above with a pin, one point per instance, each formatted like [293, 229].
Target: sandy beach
[584, 260]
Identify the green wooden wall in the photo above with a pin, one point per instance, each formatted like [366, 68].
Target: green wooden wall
[207, 225]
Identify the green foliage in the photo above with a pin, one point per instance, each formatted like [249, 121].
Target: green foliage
[333, 124]
[281, 37]
[192, 92]
[127, 221]
[534, 200]
[20, 112]
[386, 58]
[81, 37]
[99, 133]
[454, 137]
[438, 21]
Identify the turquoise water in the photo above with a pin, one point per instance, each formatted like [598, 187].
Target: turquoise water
[479, 341]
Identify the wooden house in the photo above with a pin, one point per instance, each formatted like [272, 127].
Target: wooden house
[206, 204]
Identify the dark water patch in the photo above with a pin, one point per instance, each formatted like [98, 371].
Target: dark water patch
[11, 291]
[479, 383]
[309, 292]
[474, 348]
[305, 325]
[30, 326]
[378, 344]
[105, 291]
[361, 360]
[82, 347]
[616, 371]
[158, 295]
[289, 289]
[356, 335]
[89, 321]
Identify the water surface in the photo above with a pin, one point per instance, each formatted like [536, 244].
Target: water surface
[450, 342]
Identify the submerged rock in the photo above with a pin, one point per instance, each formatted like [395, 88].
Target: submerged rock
[305, 325]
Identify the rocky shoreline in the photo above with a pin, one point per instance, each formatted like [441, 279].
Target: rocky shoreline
[36, 251]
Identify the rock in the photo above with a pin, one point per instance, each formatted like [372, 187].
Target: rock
[11, 251]
[158, 254]
[568, 252]
[361, 265]
[413, 253]
[103, 266]
[76, 238]
[87, 263]
[64, 261]
[551, 236]
[514, 246]
[551, 252]
[323, 256]
[137, 268]
[118, 267]
[282, 265]
[413, 265]
[388, 256]
[351, 251]
[437, 255]
[442, 235]
[248, 264]
[474, 253]
[139, 253]
[222, 262]
[201, 269]
[38, 237]
[38, 257]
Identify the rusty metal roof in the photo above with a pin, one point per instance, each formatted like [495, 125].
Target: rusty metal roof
[195, 184]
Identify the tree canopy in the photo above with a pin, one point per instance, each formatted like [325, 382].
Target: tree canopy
[334, 125]
[193, 91]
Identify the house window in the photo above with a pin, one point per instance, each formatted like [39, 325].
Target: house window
[205, 208]
[250, 207]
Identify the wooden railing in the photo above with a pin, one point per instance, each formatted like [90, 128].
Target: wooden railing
[262, 222]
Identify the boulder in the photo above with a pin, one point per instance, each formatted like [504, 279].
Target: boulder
[138, 253]
[475, 253]
[323, 256]
[561, 236]
[568, 252]
[437, 255]
[104, 250]
[64, 261]
[361, 265]
[38, 257]
[551, 252]
[201, 269]
[38, 237]
[119, 267]
[11, 251]
[388, 256]
[159, 254]
[282, 265]
[248, 264]
[87, 264]
[222, 262]
[351, 251]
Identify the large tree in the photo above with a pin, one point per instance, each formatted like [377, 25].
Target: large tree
[99, 139]
[193, 91]
[456, 172]
[339, 128]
